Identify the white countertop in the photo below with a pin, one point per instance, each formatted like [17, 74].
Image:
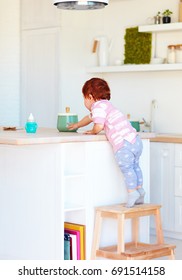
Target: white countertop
[53, 136]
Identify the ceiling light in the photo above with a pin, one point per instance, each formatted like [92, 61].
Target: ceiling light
[81, 4]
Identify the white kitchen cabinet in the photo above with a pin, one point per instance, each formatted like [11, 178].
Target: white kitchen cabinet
[162, 182]
[166, 185]
[178, 215]
[40, 62]
[39, 14]
[178, 181]
[40, 75]
[178, 188]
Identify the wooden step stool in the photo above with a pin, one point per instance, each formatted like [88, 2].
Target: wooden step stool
[134, 249]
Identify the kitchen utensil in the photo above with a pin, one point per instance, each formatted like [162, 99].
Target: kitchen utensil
[64, 119]
[103, 48]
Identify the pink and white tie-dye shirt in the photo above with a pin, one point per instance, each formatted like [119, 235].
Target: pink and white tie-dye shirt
[116, 125]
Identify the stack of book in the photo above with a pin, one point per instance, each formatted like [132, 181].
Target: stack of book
[74, 241]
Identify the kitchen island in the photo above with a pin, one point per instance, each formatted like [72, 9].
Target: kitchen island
[51, 177]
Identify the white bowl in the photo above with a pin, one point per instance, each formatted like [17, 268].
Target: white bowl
[156, 60]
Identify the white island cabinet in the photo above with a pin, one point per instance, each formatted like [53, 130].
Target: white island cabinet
[50, 177]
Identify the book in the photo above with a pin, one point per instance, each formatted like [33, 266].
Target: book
[77, 234]
[73, 247]
[71, 255]
[81, 229]
[67, 246]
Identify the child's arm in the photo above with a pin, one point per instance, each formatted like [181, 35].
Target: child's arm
[96, 129]
[83, 122]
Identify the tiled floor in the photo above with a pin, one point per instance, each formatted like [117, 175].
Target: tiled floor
[177, 242]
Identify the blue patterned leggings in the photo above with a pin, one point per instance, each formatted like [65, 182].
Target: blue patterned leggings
[128, 160]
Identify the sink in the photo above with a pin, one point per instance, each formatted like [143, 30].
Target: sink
[147, 134]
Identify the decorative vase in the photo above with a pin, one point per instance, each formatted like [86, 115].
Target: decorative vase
[166, 19]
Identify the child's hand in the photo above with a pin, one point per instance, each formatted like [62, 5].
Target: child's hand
[88, 132]
[72, 126]
[95, 130]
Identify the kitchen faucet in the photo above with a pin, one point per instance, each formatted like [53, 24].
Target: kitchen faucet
[153, 113]
[147, 124]
[151, 124]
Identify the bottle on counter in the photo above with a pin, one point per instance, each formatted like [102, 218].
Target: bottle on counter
[31, 125]
[171, 54]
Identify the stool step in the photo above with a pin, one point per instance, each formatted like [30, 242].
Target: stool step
[141, 251]
[146, 209]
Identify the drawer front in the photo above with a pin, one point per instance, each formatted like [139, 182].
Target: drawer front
[178, 154]
[178, 181]
[178, 214]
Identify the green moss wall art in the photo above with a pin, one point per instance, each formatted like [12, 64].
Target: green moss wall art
[138, 46]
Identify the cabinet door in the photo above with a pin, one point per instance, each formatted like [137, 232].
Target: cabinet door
[178, 188]
[178, 214]
[40, 75]
[162, 181]
[178, 181]
[39, 14]
[178, 155]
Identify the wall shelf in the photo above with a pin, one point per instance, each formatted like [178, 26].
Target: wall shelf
[160, 27]
[135, 68]
[144, 67]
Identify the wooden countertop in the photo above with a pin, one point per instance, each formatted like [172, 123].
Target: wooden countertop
[167, 138]
[52, 136]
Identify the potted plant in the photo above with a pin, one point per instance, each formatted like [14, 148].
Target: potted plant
[157, 18]
[166, 16]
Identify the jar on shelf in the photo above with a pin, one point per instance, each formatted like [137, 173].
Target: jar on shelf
[179, 53]
[171, 54]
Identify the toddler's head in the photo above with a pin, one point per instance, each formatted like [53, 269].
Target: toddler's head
[97, 88]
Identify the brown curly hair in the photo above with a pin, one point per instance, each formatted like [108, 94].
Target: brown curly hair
[96, 87]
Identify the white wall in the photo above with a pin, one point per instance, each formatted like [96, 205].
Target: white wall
[9, 62]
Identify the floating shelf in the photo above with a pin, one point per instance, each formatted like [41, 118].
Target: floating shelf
[144, 67]
[135, 68]
[160, 27]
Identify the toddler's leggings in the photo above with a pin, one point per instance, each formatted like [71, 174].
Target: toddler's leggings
[128, 160]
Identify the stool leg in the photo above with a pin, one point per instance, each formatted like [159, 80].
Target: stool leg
[96, 234]
[135, 227]
[172, 256]
[121, 242]
[158, 223]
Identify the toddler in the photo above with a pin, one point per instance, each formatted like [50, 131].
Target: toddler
[126, 144]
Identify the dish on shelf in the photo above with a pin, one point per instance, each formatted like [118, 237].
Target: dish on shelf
[157, 60]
